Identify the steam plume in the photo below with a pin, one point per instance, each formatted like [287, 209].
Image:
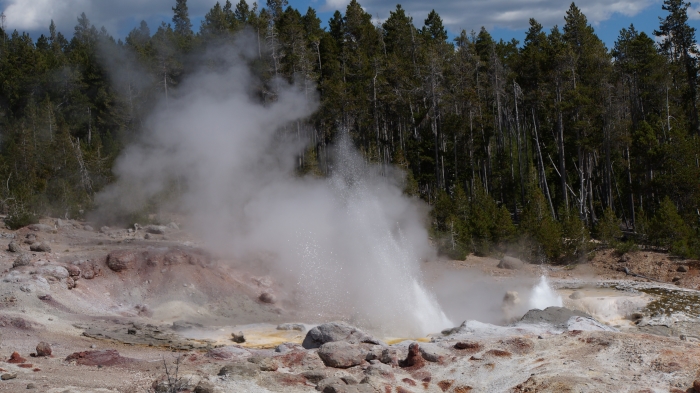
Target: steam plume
[350, 244]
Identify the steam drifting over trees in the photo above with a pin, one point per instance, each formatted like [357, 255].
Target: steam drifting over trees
[535, 144]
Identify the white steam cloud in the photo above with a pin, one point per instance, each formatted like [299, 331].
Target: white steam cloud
[351, 245]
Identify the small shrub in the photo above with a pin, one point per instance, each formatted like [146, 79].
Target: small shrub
[20, 219]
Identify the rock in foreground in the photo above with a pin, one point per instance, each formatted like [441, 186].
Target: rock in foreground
[336, 331]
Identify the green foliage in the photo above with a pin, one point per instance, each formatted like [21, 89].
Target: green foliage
[668, 230]
[608, 229]
[575, 236]
[540, 227]
[19, 218]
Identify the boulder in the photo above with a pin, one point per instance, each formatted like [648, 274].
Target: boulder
[15, 358]
[40, 227]
[267, 297]
[287, 347]
[341, 354]
[555, 316]
[121, 260]
[73, 270]
[58, 272]
[240, 369]
[156, 229]
[40, 247]
[576, 295]
[13, 247]
[43, 349]
[88, 228]
[238, 338]
[107, 357]
[336, 331]
[22, 260]
[510, 263]
[414, 357]
[204, 387]
[682, 269]
[30, 238]
[8, 376]
[433, 353]
[265, 363]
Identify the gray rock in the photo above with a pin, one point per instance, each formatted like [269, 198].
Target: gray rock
[22, 260]
[510, 263]
[174, 226]
[104, 229]
[555, 316]
[316, 376]
[8, 376]
[265, 363]
[433, 353]
[40, 247]
[63, 224]
[13, 247]
[380, 370]
[238, 338]
[58, 272]
[240, 369]
[341, 354]
[291, 326]
[287, 347]
[120, 260]
[26, 288]
[88, 228]
[156, 229]
[41, 227]
[577, 295]
[682, 269]
[31, 386]
[336, 331]
[327, 382]
[267, 297]
[204, 387]
[43, 349]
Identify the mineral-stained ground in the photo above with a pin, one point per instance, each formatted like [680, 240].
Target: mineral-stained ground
[116, 310]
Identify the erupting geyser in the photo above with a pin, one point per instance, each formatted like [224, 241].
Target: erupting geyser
[349, 245]
[543, 296]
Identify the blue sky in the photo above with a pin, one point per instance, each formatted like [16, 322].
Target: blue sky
[503, 18]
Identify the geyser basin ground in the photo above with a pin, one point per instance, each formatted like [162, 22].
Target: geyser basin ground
[179, 301]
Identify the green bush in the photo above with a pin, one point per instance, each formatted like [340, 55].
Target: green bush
[20, 219]
[608, 229]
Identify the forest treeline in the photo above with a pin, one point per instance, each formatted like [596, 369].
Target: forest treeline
[534, 147]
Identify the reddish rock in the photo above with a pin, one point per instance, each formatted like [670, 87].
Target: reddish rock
[121, 260]
[16, 359]
[73, 270]
[444, 385]
[519, 345]
[468, 346]
[498, 353]
[696, 385]
[109, 357]
[43, 349]
[409, 381]
[25, 365]
[414, 358]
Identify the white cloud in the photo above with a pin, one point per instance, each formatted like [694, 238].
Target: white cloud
[36, 15]
[512, 14]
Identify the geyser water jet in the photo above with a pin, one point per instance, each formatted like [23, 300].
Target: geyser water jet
[349, 246]
[543, 296]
